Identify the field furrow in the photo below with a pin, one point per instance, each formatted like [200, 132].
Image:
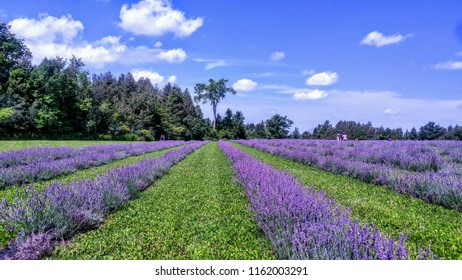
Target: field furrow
[42, 163]
[10, 194]
[196, 211]
[424, 224]
[40, 219]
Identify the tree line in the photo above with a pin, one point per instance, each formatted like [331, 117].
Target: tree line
[361, 131]
[59, 99]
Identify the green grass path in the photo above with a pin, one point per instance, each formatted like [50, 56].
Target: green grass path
[11, 192]
[424, 224]
[196, 211]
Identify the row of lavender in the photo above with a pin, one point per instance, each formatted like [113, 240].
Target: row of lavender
[302, 223]
[408, 155]
[40, 219]
[36, 164]
[442, 185]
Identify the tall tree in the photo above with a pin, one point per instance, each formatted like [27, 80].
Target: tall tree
[295, 134]
[214, 92]
[431, 131]
[278, 126]
[13, 54]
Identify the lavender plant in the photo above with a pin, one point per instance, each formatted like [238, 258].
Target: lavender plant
[303, 223]
[40, 219]
[36, 164]
[425, 170]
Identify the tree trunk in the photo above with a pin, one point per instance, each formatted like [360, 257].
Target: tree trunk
[214, 115]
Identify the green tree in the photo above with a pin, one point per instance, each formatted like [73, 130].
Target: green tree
[278, 126]
[325, 131]
[214, 92]
[431, 131]
[295, 134]
[306, 135]
[13, 54]
[260, 130]
[239, 126]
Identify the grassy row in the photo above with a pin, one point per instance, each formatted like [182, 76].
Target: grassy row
[196, 211]
[425, 224]
[10, 193]
[23, 144]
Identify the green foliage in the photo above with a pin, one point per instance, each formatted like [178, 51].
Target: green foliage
[424, 224]
[431, 131]
[278, 126]
[6, 114]
[13, 55]
[130, 137]
[231, 126]
[144, 135]
[295, 134]
[214, 92]
[196, 211]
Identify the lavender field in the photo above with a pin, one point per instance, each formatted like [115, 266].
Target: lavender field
[393, 200]
[429, 170]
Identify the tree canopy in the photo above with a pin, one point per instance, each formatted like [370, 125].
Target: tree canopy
[214, 92]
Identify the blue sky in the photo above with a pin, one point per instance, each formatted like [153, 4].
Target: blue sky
[394, 63]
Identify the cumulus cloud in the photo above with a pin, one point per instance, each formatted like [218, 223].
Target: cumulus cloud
[157, 18]
[245, 85]
[154, 77]
[172, 56]
[449, 65]
[277, 56]
[310, 95]
[377, 39]
[158, 44]
[47, 29]
[51, 36]
[172, 79]
[323, 79]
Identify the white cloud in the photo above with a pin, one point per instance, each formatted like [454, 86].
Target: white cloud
[47, 29]
[310, 95]
[158, 44]
[50, 36]
[390, 111]
[172, 79]
[109, 40]
[449, 65]
[154, 77]
[172, 56]
[156, 18]
[245, 85]
[377, 39]
[212, 63]
[323, 79]
[277, 56]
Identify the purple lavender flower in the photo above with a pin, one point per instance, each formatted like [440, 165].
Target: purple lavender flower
[39, 219]
[302, 223]
[43, 163]
[429, 170]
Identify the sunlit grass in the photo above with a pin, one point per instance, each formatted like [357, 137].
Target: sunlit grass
[196, 211]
